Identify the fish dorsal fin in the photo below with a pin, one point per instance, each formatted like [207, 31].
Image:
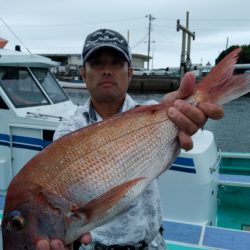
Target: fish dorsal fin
[98, 206]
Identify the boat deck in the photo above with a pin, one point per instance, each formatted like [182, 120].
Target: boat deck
[234, 180]
[205, 237]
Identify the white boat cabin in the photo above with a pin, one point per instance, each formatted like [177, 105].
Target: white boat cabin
[31, 106]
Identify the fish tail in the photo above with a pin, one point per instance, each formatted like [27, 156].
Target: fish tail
[221, 85]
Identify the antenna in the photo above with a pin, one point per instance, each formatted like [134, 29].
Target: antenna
[13, 33]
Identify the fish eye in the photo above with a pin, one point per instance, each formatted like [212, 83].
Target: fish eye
[16, 221]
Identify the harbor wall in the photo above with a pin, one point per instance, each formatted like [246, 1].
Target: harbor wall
[154, 83]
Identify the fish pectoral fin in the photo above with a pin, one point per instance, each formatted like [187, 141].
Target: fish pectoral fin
[97, 207]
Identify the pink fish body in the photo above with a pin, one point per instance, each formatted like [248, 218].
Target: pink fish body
[87, 177]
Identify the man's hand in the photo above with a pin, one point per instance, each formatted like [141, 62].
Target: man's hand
[53, 245]
[189, 118]
[58, 244]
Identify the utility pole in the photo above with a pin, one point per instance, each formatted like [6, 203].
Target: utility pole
[226, 46]
[185, 54]
[152, 62]
[150, 19]
[128, 36]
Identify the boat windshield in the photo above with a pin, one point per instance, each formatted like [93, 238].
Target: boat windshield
[20, 84]
[20, 87]
[49, 84]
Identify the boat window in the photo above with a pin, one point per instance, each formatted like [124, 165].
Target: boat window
[48, 136]
[20, 87]
[49, 84]
[3, 105]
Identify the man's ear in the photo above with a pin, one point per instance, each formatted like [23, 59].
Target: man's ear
[130, 73]
[83, 72]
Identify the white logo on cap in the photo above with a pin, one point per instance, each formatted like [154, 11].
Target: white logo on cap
[104, 38]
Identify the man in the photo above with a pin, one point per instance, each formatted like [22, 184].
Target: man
[107, 71]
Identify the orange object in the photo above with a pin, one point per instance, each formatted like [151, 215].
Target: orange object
[3, 42]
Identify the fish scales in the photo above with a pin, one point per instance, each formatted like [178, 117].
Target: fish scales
[93, 160]
[117, 163]
[86, 140]
[111, 158]
[88, 176]
[147, 159]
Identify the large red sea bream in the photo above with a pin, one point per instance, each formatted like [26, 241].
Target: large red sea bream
[87, 177]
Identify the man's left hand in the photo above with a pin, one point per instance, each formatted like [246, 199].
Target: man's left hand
[189, 118]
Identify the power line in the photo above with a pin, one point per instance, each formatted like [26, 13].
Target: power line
[13, 33]
[140, 41]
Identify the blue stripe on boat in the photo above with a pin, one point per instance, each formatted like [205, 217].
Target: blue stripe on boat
[4, 143]
[182, 169]
[184, 161]
[184, 164]
[181, 232]
[29, 140]
[30, 147]
[226, 238]
[4, 137]
[23, 142]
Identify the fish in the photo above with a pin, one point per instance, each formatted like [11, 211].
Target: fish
[87, 177]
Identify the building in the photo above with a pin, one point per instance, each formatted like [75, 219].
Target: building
[70, 64]
[139, 60]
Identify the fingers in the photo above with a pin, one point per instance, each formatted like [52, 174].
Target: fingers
[42, 245]
[57, 245]
[211, 110]
[54, 245]
[185, 140]
[186, 89]
[186, 117]
[86, 238]
[187, 86]
[189, 118]
[193, 113]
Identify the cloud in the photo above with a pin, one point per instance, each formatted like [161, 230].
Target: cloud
[60, 26]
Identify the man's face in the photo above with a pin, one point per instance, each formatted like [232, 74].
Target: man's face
[107, 75]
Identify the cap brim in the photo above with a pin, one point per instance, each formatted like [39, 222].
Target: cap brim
[91, 51]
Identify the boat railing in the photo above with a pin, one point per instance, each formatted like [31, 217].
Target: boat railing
[217, 164]
[39, 115]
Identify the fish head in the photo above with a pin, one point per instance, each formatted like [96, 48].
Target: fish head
[19, 230]
[25, 223]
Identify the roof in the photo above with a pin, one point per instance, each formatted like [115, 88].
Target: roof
[12, 57]
[141, 56]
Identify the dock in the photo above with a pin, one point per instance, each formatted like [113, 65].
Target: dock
[73, 85]
[148, 83]
[151, 83]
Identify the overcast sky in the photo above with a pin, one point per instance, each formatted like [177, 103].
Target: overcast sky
[60, 26]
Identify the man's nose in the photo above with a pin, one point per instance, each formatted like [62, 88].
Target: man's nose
[107, 69]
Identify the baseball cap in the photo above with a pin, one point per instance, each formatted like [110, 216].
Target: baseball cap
[105, 38]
